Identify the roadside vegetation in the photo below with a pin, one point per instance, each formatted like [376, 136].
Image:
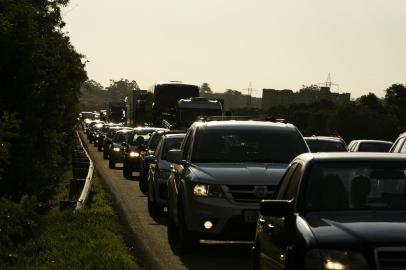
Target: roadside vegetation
[86, 239]
[41, 74]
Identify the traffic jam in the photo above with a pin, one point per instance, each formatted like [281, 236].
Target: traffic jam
[303, 202]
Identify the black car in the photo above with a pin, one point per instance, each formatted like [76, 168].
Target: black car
[101, 135]
[108, 139]
[137, 140]
[336, 211]
[148, 156]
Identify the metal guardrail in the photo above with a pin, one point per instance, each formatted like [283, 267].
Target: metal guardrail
[81, 202]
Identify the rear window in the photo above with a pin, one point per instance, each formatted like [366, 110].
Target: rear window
[374, 147]
[242, 145]
[325, 146]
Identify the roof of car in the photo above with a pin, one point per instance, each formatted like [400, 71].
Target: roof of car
[176, 135]
[237, 124]
[351, 156]
[372, 141]
[324, 138]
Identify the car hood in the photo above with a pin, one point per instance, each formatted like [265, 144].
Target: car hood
[358, 228]
[238, 173]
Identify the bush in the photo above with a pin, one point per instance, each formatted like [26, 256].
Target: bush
[18, 221]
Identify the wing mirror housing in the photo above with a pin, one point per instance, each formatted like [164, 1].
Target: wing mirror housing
[276, 208]
[175, 156]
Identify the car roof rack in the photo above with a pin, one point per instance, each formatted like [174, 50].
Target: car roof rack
[204, 118]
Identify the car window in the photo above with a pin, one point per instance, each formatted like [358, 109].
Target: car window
[293, 184]
[374, 147]
[325, 146]
[398, 145]
[356, 185]
[158, 150]
[185, 146]
[153, 142]
[248, 145]
[171, 143]
[284, 183]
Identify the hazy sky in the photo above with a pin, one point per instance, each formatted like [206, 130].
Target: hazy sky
[280, 44]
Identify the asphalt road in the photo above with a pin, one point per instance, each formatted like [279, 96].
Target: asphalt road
[151, 245]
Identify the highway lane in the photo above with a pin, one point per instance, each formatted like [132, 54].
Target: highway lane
[151, 232]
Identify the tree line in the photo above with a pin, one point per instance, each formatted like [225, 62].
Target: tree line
[40, 77]
[367, 117]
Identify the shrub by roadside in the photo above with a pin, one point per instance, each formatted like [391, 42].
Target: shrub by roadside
[85, 239]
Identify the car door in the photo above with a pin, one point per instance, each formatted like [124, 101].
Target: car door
[266, 226]
[279, 230]
[154, 169]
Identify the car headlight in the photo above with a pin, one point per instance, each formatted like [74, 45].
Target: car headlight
[134, 154]
[116, 149]
[324, 259]
[206, 190]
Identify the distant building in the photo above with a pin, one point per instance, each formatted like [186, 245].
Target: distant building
[272, 98]
[236, 100]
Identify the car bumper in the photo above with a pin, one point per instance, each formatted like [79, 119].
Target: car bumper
[116, 157]
[230, 221]
[132, 163]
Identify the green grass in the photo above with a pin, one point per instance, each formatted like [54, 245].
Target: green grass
[86, 239]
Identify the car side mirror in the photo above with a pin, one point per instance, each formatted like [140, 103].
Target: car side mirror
[149, 159]
[175, 156]
[276, 208]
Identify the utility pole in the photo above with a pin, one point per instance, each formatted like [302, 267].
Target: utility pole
[249, 93]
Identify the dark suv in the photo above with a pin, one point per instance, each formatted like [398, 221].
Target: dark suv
[220, 175]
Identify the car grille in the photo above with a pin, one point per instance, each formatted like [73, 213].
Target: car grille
[391, 258]
[248, 193]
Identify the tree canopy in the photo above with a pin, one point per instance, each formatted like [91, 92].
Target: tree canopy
[40, 75]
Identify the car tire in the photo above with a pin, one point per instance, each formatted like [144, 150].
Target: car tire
[127, 173]
[143, 185]
[171, 232]
[154, 209]
[112, 164]
[186, 241]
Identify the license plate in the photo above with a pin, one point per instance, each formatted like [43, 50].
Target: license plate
[251, 216]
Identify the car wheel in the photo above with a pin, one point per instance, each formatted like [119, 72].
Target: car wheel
[154, 209]
[186, 240]
[256, 259]
[171, 232]
[143, 185]
[112, 164]
[127, 173]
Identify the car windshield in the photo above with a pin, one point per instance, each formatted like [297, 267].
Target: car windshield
[325, 146]
[121, 136]
[355, 186]
[242, 145]
[141, 137]
[374, 147]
